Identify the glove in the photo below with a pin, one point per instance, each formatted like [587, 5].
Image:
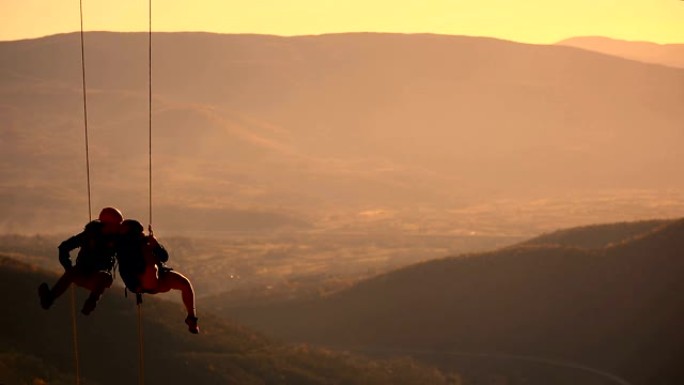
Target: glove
[66, 264]
[65, 260]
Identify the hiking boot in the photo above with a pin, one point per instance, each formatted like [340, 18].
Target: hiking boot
[45, 296]
[192, 324]
[88, 306]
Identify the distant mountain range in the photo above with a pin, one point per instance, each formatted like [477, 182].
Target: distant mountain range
[564, 296]
[666, 54]
[346, 132]
[36, 346]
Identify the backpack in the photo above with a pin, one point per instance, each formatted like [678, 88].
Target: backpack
[131, 262]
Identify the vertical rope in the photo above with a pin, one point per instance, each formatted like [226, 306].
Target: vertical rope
[74, 330]
[138, 296]
[141, 345]
[85, 113]
[149, 39]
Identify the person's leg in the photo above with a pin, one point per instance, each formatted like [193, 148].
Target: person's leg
[149, 279]
[48, 296]
[64, 282]
[173, 280]
[97, 283]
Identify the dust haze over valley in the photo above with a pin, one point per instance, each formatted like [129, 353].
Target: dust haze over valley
[348, 133]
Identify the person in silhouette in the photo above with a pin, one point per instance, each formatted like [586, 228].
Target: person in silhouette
[94, 262]
[142, 266]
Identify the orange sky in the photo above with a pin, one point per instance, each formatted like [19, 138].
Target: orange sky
[534, 21]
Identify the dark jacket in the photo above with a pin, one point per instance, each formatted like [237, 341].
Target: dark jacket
[96, 249]
[131, 257]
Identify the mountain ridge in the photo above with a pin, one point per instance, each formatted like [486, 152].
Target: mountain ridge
[671, 54]
[554, 301]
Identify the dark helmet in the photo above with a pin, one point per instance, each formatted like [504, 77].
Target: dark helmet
[110, 216]
[131, 227]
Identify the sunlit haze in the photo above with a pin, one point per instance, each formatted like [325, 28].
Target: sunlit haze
[533, 21]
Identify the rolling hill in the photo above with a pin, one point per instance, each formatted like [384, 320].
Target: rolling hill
[616, 308]
[344, 132]
[597, 236]
[35, 346]
[666, 54]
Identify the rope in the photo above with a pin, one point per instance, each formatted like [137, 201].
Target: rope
[74, 330]
[141, 376]
[141, 345]
[150, 106]
[138, 296]
[85, 114]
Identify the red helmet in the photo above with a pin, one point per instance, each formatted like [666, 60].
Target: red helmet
[110, 215]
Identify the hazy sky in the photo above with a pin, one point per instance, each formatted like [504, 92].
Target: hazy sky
[537, 21]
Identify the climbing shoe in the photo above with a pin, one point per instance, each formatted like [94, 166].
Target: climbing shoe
[45, 296]
[192, 324]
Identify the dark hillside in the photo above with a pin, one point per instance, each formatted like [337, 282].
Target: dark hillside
[35, 344]
[617, 309]
[597, 236]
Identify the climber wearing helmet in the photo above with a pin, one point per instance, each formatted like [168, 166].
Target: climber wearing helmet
[94, 263]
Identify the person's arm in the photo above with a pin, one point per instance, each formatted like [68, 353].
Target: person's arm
[75, 242]
[66, 247]
[161, 253]
[157, 249]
